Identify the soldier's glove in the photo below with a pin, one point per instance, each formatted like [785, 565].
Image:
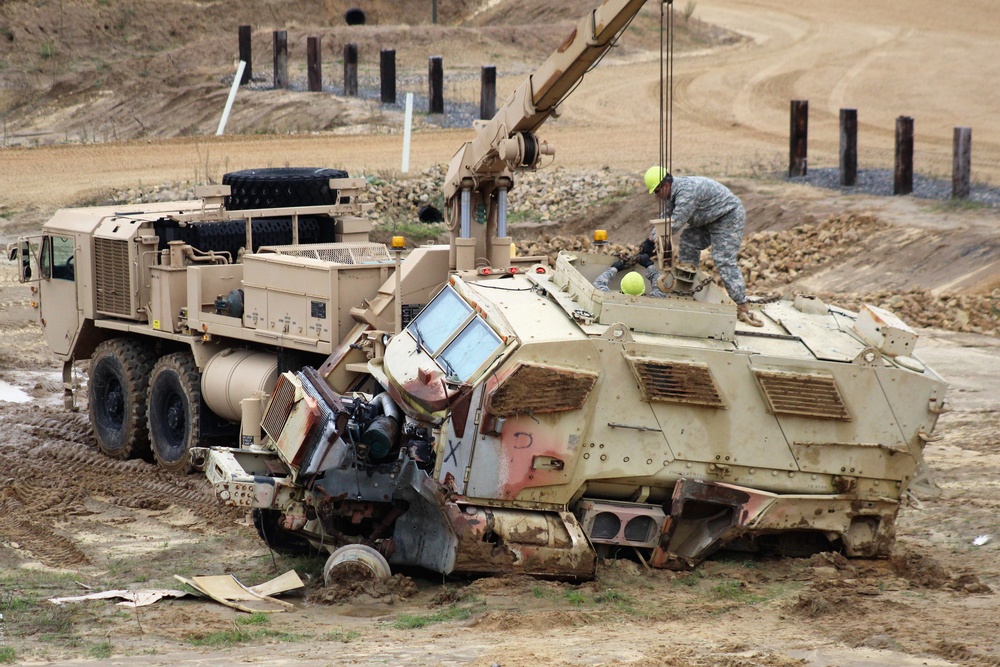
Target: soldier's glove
[744, 315]
[644, 261]
[648, 247]
[619, 264]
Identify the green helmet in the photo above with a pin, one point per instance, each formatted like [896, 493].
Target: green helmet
[654, 176]
[633, 284]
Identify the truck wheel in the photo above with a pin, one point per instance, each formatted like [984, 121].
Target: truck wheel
[280, 187]
[174, 410]
[119, 379]
[277, 538]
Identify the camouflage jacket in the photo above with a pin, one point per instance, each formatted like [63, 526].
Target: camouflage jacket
[699, 201]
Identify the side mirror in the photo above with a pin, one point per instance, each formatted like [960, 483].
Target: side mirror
[12, 251]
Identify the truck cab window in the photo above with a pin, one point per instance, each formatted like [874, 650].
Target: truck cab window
[57, 258]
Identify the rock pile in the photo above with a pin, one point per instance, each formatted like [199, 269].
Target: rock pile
[773, 258]
[542, 196]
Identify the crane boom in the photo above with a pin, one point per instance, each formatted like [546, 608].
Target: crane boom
[480, 174]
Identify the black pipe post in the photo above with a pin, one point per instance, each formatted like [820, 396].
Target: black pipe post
[314, 64]
[280, 59]
[798, 138]
[351, 70]
[435, 74]
[387, 72]
[848, 147]
[903, 181]
[246, 54]
[488, 92]
[961, 163]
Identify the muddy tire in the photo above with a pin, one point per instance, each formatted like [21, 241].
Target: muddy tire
[277, 538]
[353, 562]
[280, 187]
[116, 393]
[174, 410]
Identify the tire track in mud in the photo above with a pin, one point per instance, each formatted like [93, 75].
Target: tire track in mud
[52, 471]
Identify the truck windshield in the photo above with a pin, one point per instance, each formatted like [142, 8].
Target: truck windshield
[449, 322]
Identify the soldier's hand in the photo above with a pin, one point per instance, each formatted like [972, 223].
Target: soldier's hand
[644, 261]
[619, 264]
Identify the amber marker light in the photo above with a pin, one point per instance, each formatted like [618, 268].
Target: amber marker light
[600, 236]
[398, 242]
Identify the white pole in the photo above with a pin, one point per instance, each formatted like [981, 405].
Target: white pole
[232, 98]
[407, 125]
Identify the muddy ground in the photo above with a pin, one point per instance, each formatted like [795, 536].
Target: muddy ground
[72, 520]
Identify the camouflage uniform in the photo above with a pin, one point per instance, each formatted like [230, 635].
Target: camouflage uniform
[652, 274]
[710, 215]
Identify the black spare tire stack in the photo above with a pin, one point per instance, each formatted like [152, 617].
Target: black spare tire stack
[280, 187]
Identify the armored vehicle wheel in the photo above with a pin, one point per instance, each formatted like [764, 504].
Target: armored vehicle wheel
[174, 409]
[356, 561]
[280, 187]
[276, 537]
[119, 380]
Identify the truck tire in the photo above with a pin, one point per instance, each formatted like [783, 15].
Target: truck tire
[174, 410]
[277, 538]
[280, 187]
[116, 397]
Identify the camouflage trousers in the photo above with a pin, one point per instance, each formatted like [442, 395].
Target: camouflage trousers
[725, 235]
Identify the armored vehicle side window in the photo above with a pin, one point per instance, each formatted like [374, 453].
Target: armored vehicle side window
[439, 320]
[57, 258]
[470, 349]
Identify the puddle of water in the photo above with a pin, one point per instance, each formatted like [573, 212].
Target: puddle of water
[12, 394]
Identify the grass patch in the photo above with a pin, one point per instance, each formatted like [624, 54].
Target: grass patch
[619, 601]
[245, 629]
[692, 579]
[256, 618]
[7, 655]
[736, 591]
[958, 204]
[523, 215]
[342, 636]
[575, 598]
[101, 651]
[414, 621]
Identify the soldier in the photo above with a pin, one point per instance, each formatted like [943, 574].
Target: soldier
[632, 283]
[710, 215]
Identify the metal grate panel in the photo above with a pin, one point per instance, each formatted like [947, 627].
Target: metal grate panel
[114, 288]
[535, 389]
[337, 253]
[802, 394]
[278, 409]
[675, 382]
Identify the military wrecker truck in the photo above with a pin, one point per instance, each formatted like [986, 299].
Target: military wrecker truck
[466, 411]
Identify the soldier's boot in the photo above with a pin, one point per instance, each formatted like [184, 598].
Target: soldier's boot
[744, 315]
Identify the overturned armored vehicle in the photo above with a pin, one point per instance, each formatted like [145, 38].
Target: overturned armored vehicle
[531, 423]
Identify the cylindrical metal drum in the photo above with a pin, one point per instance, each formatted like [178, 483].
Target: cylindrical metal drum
[233, 375]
